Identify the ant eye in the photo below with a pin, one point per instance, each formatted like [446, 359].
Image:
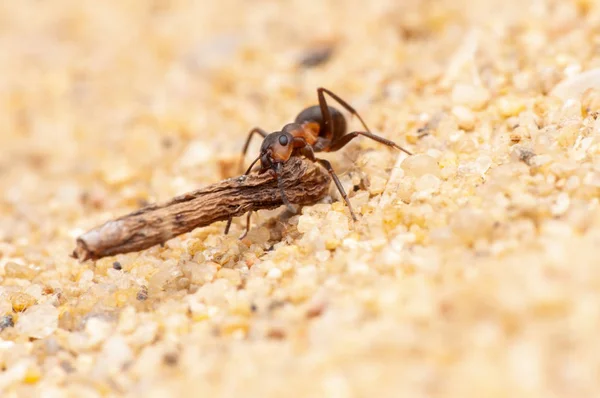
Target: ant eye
[283, 140]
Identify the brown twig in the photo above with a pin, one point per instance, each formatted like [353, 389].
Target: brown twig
[304, 183]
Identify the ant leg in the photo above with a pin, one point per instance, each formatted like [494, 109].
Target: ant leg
[247, 224]
[338, 184]
[307, 152]
[343, 140]
[258, 130]
[325, 113]
[228, 225]
[325, 110]
[348, 137]
[277, 171]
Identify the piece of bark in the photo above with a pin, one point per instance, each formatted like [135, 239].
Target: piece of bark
[304, 182]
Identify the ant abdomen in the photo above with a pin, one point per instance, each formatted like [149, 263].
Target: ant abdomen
[314, 114]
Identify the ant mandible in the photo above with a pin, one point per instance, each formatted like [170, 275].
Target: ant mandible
[319, 128]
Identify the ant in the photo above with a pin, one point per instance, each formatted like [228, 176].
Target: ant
[319, 128]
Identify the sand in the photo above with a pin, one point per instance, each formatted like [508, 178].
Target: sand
[471, 272]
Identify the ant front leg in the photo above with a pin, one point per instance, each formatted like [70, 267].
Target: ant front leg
[325, 109]
[343, 140]
[230, 219]
[247, 224]
[276, 172]
[256, 130]
[309, 154]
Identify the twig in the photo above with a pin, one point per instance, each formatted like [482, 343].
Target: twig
[304, 182]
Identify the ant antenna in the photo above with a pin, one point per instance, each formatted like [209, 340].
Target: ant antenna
[252, 165]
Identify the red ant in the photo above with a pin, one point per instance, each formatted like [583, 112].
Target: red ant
[319, 128]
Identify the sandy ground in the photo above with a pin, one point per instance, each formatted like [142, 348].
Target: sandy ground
[473, 268]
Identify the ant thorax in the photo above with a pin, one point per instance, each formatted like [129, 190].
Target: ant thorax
[309, 131]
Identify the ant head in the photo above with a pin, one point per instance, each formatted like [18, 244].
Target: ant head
[277, 147]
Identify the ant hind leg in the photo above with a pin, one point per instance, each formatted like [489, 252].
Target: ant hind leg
[345, 139]
[340, 101]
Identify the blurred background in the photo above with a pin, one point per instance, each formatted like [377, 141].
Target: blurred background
[118, 88]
